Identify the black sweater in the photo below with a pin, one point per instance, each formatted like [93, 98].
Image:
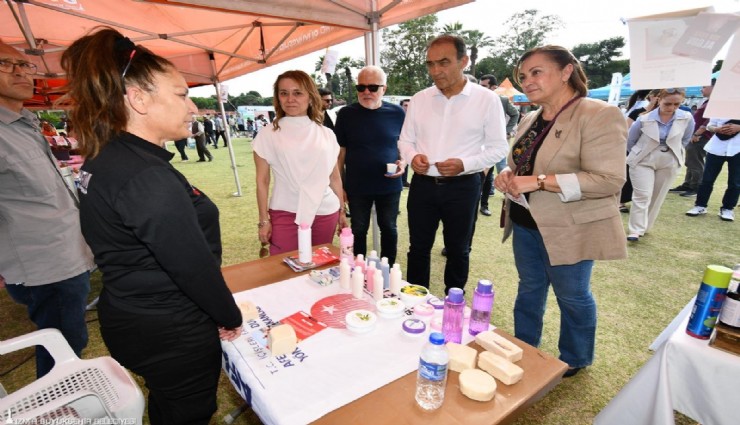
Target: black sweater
[155, 237]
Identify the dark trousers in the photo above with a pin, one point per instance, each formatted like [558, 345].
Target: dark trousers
[180, 145]
[221, 134]
[59, 305]
[386, 208]
[453, 201]
[712, 168]
[178, 355]
[626, 194]
[695, 155]
[200, 147]
[211, 138]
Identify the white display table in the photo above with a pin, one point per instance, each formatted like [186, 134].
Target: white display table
[685, 375]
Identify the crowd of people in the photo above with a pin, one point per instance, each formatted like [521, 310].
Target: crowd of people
[156, 237]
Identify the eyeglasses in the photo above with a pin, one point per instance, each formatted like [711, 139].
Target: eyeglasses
[672, 90]
[128, 65]
[372, 87]
[7, 66]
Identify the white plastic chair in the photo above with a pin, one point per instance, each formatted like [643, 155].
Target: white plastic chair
[74, 389]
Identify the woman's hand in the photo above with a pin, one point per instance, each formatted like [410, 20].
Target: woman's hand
[265, 232]
[503, 180]
[229, 334]
[342, 223]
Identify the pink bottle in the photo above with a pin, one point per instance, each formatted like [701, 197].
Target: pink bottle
[346, 246]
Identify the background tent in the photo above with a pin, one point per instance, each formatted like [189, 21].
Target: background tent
[626, 89]
[507, 89]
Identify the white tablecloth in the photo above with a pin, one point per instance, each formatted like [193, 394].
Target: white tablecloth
[685, 375]
[328, 370]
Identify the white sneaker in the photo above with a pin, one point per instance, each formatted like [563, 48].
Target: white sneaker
[726, 215]
[696, 211]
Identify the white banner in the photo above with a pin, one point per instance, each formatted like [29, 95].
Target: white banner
[653, 64]
[725, 99]
[330, 62]
[615, 89]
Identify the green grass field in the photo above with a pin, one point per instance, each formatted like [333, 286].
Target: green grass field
[636, 297]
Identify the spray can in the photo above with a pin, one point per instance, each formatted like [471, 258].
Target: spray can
[709, 301]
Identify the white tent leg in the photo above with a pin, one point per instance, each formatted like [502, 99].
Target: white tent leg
[227, 135]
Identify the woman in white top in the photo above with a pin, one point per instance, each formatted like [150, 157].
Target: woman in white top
[655, 146]
[302, 154]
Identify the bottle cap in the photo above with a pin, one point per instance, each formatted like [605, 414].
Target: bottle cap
[437, 338]
[304, 226]
[455, 295]
[397, 266]
[485, 286]
[373, 254]
[718, 276]
[360, 257]
[384, 261]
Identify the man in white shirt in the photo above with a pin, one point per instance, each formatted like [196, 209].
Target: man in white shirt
[455, 130]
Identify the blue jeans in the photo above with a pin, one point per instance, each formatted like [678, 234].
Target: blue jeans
[454, 202]
[386, 208]
[60, 305]
[572, 287]
[712, 167]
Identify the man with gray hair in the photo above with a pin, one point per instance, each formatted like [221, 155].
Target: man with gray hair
[367, 132]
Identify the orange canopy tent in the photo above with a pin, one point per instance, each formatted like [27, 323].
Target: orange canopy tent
[507, 89]
[209, 41]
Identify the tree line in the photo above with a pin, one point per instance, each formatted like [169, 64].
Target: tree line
[404, 53]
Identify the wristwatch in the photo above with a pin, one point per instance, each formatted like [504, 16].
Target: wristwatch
[541, 181]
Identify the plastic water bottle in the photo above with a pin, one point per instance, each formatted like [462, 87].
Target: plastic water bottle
[346, 246]
[453, 315]
[480, 317]
[432, 376]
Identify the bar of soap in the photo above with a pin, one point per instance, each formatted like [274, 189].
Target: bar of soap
[248, 309]
[462, 357]
[477, 385]
[500, 368]
[497, 344]
[282, 340]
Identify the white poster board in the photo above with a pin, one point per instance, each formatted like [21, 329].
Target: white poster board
[653, 64]
[725, 99]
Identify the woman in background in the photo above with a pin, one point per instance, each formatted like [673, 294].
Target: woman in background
[568, 162]
[302, 154]
[155, 237]
[655, 147]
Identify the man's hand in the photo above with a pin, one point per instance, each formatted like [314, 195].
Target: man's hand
[450, 167]
[420, 164]
[400, 165]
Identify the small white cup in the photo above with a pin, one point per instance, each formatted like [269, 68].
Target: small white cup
[390, 168]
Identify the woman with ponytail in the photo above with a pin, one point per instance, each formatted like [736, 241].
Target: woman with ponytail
[156, 238]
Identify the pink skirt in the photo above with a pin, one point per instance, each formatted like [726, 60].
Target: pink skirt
[285, 232]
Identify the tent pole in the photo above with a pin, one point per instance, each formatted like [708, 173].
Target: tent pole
[227, 134]
[371, 58]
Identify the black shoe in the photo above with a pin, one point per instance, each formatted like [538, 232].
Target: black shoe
[444, 252]
[688, 194]
[210, 158]
[201, 160]
[623, 208]
[572, 371]
[680, 188]
[485, 211]
[215, 146]
[406, 184]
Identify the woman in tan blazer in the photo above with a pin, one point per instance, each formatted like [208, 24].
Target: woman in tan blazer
[569, 166]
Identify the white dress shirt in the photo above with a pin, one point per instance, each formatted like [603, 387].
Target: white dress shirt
[470, 126]
[716, 146]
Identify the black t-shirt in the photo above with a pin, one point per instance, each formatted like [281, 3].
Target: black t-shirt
[518, 213]
[155, 237]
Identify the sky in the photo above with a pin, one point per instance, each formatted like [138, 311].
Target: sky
[585, 22]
